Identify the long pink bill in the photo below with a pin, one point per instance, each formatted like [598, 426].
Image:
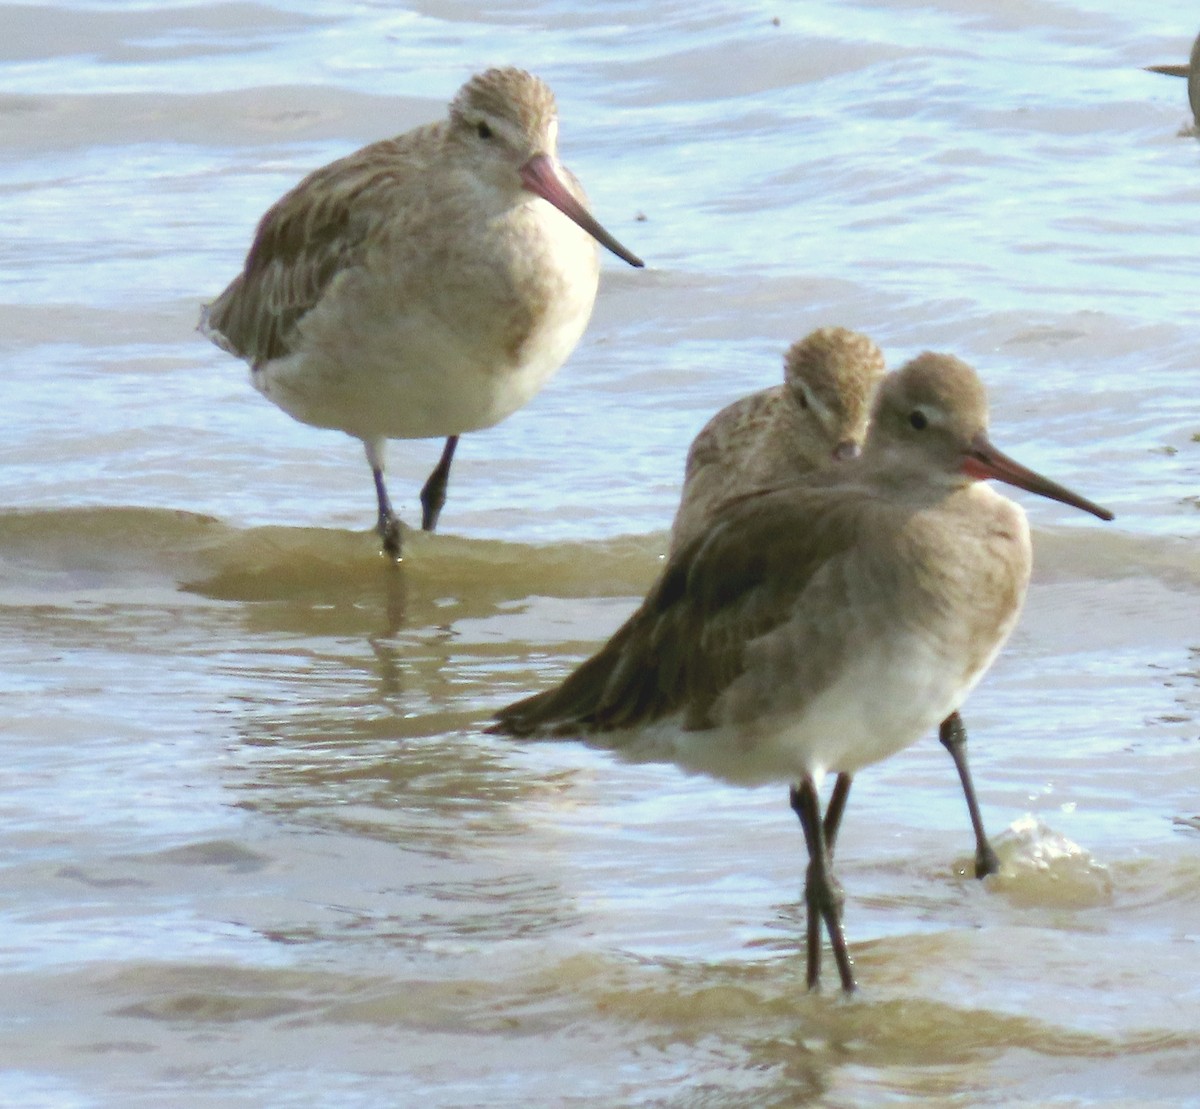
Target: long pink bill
[986, 461]
[539, 176]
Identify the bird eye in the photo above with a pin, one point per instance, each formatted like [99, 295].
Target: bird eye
[484, 131]
[918, 420]
[802, 398]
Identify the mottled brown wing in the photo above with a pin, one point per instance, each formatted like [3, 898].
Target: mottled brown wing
[687, 642]
[726, 433]
[304, 241]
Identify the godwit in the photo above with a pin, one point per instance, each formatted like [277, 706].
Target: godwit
[816, 417]
[1192, 72]
[825, 625]
[426, 285]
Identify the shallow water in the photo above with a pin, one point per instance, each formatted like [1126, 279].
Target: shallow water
[256, 848]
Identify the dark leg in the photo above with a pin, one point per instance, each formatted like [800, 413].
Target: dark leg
[812, 918]
[433, 493]
[388, 524]
[833, 812]
[953, 734]
[823, 896]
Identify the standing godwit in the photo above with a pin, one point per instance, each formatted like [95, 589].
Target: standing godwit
[818, 416]
[1192, 72]
[825, 625]
[426, 285]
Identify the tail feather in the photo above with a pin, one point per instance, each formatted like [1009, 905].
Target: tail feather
[214, 322]
[574, 706]
[632, 680]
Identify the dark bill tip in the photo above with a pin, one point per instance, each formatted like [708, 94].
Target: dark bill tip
[539, 176]
[983, 460]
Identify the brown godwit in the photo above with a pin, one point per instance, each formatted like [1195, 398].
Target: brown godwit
[816, 417]
[426, 285]
[822, 626]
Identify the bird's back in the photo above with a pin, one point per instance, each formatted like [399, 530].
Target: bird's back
[757, 441]
[686, 643]
[800, 602]
[313, 233]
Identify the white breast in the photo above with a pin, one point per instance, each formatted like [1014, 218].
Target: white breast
[399, 350]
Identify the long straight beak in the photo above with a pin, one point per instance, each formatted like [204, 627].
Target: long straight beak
[1170, 70]
[539, 176]
[986, 461]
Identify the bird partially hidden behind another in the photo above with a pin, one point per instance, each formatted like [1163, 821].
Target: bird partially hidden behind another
[817, 417]
[822, 625]
[426, 285]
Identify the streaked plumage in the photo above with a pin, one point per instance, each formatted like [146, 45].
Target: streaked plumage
[426, 285]
[826, 624]
[785, 432]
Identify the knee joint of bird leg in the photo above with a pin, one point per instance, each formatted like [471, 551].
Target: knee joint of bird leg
[823, 896]
[951, 733]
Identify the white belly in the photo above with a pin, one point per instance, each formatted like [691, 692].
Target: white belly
[385, 357]
[413, 382]
[879, 705]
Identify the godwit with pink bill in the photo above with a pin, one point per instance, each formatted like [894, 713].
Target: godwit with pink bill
[817, 417]
[426, 285]
[822, 626]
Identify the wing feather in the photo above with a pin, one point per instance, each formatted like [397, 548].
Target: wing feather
[687, 643]
[315, 232]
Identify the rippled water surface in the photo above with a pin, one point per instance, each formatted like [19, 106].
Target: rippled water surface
[257, 849]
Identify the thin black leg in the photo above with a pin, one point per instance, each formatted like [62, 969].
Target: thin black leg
[823, 897]
[953, 734]
[812, 918]
[388, 524]
[433, 493]
[835, 808]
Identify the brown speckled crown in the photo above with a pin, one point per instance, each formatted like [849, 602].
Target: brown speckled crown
[840, 366]
[507, 93]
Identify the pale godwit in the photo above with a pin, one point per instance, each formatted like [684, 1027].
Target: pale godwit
[825, 625]
[1192, 72]
[426, 285]
[816, 417]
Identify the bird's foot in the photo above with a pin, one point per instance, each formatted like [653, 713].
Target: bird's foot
[389, 531]
[986, 861]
